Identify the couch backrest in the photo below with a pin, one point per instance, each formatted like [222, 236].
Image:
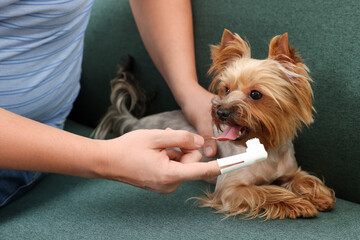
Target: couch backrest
[326, 33]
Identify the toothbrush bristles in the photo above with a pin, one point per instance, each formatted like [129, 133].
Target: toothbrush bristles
[253, 142]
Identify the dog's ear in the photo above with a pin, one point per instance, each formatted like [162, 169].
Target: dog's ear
[226, 38]
[232, 46]
[280, 50]
[296, 70]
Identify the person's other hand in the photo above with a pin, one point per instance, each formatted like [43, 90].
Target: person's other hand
[197, 109]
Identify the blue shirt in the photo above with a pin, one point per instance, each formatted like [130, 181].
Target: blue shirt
[41, 47]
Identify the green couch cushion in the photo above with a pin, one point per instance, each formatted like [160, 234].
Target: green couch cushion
[65, 207]
[324, 32]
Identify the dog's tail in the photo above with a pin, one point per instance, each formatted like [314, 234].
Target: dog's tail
[126, 97]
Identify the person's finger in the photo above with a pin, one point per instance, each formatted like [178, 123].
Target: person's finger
[177, 138]
[205, 129]
[174, 155]
[209, 147]
[191, 156]
[196, 170]
[185, 156]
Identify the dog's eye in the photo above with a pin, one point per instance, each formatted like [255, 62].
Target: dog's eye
[256, 95]
[227, 91]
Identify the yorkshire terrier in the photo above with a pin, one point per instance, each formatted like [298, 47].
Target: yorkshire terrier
[268, 99]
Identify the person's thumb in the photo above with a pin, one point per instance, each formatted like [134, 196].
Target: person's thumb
[177, 138]
[209, 148]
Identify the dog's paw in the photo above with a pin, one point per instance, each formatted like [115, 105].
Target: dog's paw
[323, 201]
[311, 189]
[299, 208]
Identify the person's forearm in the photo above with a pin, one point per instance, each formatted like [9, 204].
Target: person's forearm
[166, 28]
[29, 145]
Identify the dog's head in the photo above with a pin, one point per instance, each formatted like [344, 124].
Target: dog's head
[269, 99]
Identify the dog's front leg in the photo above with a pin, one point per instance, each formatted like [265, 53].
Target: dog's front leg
[310, 188]
[267, 201]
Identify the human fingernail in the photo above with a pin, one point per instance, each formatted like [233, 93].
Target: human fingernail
[199, 141]
[208, 151]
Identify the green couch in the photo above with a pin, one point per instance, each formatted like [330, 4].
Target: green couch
[326, 33]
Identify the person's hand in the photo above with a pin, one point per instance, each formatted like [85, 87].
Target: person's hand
[142, 158]
[197, 109]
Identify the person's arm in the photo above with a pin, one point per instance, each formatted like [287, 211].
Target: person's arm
[28, 145]
[166, 28]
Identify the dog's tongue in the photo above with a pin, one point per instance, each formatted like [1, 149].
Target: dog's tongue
[230, 133]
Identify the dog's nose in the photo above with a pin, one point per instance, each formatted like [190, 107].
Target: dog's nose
[223, 113]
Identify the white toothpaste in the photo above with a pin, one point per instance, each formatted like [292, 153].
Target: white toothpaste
[255, 152]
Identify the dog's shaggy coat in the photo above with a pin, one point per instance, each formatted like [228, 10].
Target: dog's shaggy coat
[269, 99]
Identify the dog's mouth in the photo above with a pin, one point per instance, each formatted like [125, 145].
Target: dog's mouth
[233, 133]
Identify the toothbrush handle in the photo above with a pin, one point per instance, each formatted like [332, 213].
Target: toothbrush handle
[232, 163]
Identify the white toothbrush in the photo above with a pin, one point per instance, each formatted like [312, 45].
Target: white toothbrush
[255, 152]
